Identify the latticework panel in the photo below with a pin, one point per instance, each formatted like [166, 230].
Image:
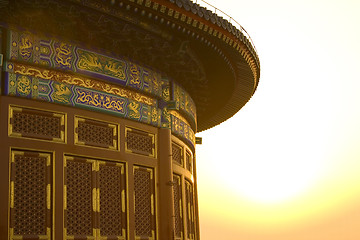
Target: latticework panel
[190, 217]
[140, 142]
[189, 162]
[144, 203]
[179, 229]
[96, 133]
[177, 153]
[31, 123]
[112, 200]
[80, 205]
[30, 202]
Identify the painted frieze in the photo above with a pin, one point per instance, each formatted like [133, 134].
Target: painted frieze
[62, 93]
[29, 48]
[59, 72]
[183, 102]
[182, 130]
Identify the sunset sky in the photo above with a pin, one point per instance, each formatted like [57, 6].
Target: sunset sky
[287, 166]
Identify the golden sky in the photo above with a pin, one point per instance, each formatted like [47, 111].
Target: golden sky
[287, 166]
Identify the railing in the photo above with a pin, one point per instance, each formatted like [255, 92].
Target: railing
[230, 19]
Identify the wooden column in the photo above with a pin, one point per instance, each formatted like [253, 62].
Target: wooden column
[166, 198]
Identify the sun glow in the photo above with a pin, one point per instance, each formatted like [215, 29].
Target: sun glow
[268, 182]
[287, 165]
[272, 174]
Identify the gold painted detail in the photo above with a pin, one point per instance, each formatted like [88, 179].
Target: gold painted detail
[78, 81]
[155, 6]
[48, 196]
[123, 201]
[134, 110]
[152, 204]
[170, 12]
[176, 15]
[23, 85]
[90, 61]
[135, 75]
[98, 200]
[180, 207]
[100, 100]
[179, 116]
[12, 194]
[166, 93]
[61, 93]
[189, 20]
[63, 55]
[94, 199]
[65, 194]
[154, 115]
[48, 161]
[26, 47]
[162, 9]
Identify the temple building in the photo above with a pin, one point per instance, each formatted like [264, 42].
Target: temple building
[100, 102]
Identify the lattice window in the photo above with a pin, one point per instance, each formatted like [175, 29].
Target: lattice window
[31, 123]
[144, 203]
[112, 200]
[30, 203]
[190, 216]
[80, 196]
[189, 162]
[177, 189]
[95, 203]
[96, 133]
[140, 142]
[177, 154]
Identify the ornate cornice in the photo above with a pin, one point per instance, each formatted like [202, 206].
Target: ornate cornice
[205, 54]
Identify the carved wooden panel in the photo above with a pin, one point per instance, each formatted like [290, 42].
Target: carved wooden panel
[190, 216]
[80, 197]
[177, 154]
[30, 197]
[34, 123]
[144, 203]
[112, 200]
[178, 210]
[189, 162]
[140, 142]
[96, 133]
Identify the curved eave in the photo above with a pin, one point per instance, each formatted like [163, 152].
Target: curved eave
[199, 26]
[239, 96]
[235, 46]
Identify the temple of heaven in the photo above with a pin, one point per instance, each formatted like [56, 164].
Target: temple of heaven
[100, 102]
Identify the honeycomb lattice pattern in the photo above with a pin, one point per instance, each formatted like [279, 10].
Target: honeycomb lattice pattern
[143, 216]
[79, 198]
[30, 208]
[110, 200]
[188, 162]
[189, 195]
[177, 206]
[177, 154]
[33, 124]
[140, 142]
[94, 134]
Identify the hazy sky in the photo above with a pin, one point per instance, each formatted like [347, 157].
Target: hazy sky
[287, 166]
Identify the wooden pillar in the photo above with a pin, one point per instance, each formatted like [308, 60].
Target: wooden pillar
[166, 198]
[196, 207]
